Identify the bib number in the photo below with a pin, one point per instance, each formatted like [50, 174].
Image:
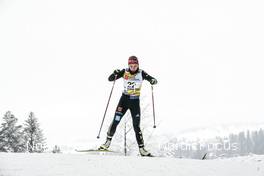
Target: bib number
[131, 85]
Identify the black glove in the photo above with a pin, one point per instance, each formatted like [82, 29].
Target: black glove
[117, 71]
[153, 81]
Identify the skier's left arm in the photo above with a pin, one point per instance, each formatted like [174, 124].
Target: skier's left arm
[149, 78]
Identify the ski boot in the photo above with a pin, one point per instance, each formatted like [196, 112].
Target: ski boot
[144, 152]
[106, 145]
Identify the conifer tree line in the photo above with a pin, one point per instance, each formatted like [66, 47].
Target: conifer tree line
[239, 144]
[21, 138]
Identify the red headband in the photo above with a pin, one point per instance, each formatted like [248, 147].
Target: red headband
[132, 60]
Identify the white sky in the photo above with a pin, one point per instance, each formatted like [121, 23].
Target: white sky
[56, 55]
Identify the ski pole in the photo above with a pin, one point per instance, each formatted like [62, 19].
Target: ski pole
[106, 107]
[153, 107]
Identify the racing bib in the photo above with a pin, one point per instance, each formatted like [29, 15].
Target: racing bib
[132, 83]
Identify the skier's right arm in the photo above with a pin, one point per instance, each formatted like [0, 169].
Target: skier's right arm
[116, 74]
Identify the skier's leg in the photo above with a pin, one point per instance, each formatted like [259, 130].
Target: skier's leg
[120, 111]
[135, 112]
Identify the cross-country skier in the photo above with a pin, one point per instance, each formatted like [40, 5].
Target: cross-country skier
[133, 78]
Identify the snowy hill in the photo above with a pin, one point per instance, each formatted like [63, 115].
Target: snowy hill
[84, 164]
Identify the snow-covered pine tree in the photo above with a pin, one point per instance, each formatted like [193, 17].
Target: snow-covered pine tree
[34, 135]
[2, 138]
[11, 135]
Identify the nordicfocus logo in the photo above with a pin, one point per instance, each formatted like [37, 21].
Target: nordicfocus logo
[225, 146]
[35, 146]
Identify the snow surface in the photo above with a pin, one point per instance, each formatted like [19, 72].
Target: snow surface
[81, 164]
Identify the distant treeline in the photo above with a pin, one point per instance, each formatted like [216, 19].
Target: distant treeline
[243, 143]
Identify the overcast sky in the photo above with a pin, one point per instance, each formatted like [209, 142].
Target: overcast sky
[56, 55]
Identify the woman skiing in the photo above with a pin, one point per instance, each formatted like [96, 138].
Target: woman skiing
[133, 78]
